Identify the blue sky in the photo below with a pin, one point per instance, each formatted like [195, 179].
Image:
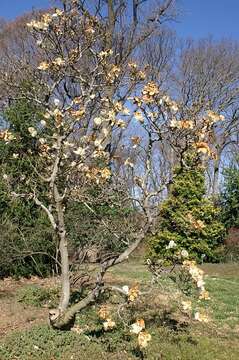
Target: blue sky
[199, 18]
[11, 8]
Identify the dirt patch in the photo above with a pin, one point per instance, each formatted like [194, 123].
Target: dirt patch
[15, 315]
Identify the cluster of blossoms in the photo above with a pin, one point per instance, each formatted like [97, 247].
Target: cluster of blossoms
[149, 92]
[104, 315]
[197, 277]
[197, 224]
[199, 129]
[6, 136]
[45, 21]
[181, 124]
[135, 72]
[132, 293]
[32, 131]
[138, 328]
[43, 24]
[213, 117]
[98, 175]
[129, 162]
[203, 147]
[200, 316]
[57, 62]
[210, 118]
[113, 73]
[171, 245]
[171, 104]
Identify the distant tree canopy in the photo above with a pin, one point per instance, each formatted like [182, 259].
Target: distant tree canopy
[230, 197]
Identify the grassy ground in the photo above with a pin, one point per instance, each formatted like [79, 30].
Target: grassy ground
[25, 335]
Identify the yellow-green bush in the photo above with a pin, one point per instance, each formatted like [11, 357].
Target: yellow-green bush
[188, 219]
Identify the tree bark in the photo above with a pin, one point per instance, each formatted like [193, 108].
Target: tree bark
[63, 247]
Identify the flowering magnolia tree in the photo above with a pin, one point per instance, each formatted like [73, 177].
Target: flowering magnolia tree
[73, 82]
[74, 90]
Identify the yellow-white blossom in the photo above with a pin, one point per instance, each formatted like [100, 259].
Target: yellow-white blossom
[58, 61]
[138, 326]
[202, 147]
[43, 66]
[32, 131]
[56, 102]
[139, 116]
[187, 305]
[105, 131]
[214, 117]
[69, 144]
[125, 111]
[41, 140]
[184, 253]
[121, 124]
[47, 115]
[125, 288]
[201, 317]
[133, 293]
[204, 295]
[174, 123]
[6, 135]
[98, 143]
[104, 312]
[105, 173]
[58, 12]
[143, 338]
[105, 53]
[109, 325]
[171, 245]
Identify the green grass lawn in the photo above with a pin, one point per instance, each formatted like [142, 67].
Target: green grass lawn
[216, 340]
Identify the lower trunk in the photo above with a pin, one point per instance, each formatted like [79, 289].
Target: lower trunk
[63, 247]
[63, 318]
[65, 279]
[66, 319]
